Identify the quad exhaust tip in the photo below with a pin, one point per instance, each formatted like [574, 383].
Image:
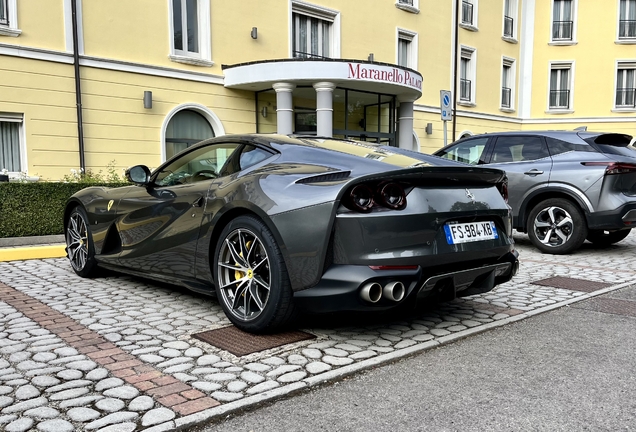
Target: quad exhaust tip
[394, 291]
[371, 292]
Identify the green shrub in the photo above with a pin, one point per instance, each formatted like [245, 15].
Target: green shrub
[33, 209]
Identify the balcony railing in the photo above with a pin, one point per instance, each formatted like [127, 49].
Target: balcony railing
[467, 12]
[505, 97]
[626, 97]
[562, 30]
[4, 12]
[627, 29]
[406, 2]
[464, 90]
[560, 99]
[508, 26]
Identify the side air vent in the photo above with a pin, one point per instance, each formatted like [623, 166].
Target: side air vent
[324, 178]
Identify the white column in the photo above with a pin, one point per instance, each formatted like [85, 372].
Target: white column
[284, 108]
[405, 131]
[324, 108]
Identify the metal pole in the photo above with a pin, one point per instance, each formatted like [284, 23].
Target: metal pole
[445, 133]
[78, 89]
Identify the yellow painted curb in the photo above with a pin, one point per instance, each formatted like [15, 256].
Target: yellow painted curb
[32, 252]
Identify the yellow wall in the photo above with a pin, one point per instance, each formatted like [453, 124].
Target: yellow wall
[42, 25]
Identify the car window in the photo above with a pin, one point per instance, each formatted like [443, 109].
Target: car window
[518, 149]
[198, 165]
[556, 146]
[470, 151]
[249, 155]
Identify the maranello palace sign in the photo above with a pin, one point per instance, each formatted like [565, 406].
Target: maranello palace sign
[387, 74]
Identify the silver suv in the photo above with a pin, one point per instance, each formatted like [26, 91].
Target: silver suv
[564, 187]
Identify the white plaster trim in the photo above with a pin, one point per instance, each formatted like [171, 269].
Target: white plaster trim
[507, 110]
[626, 41]
[6, 31]
[466, 104]
[559, 111]
[204, 56]
[624, 110]
[465, 132]
[413, 48]
[509, 40]
[408, 8]
[191, 60]
[563, 43]
[68, 27]
[12, 29]
[469, 27]
[416, 140]
[320, 12]
[36, 54]
[212, 118]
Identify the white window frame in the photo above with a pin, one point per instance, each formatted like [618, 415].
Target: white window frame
[17, 118]
[11, 29]
[469, 53]
[622, 40]
[469, 26]
[204, 56]
[512, 79]
[575, 9]
[414, 7]
[514, 5]
[320, 12]
[561, 64]
[412, 38]
[622, 65]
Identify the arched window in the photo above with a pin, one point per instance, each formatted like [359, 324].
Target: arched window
[187, 127]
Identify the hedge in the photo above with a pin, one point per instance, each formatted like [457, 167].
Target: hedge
[35, 209]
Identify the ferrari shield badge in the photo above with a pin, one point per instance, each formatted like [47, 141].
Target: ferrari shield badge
[469, 195]
[110, 204]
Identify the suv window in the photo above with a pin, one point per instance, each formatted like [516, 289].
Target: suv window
[470, 151]
[518, 149]
[556, 146]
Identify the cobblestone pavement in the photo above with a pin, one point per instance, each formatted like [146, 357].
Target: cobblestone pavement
[116, 353]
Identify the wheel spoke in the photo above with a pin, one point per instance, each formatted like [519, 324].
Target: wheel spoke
[541, 224]
[262, 283]
[252, 247]
[232, 266]
[259, 264]
[565, 220]
[238, 294]
[234, 282]
[255, 296]
[235, 255]
[546, 239]
[561, 235]
[551, 214]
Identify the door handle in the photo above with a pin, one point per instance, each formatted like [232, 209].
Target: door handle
[533, 172]
[198, 202]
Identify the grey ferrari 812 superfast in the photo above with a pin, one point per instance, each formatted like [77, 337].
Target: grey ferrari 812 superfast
[274, 225]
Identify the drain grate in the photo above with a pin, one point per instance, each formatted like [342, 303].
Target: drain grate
[239, 343]
[572, 284]
[610, 305]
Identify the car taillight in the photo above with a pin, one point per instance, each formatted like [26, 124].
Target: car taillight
[613, 167]
[503, 189]
[362, 198]
[392, 195]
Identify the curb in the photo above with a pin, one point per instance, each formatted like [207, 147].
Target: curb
[34, 252]
[31, 240]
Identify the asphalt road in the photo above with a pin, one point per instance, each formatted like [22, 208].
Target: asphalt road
[571, 369]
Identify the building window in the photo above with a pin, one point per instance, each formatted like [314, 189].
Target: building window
[408, 5]
[187, 127]
[407, 49]
[627, 19]
[468, 12]
[467, 76]
[626, 86]
[9, 18]
[509, 15]
[560, 83]
[507, 84]
[562, 20]
[10, 145]
[314, 32]
[191, 32]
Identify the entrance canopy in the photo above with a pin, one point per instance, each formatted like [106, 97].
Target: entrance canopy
[374, 77]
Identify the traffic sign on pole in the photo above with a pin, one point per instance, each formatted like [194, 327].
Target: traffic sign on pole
[446, 97]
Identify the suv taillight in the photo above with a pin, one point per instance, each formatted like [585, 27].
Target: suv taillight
[613, 167]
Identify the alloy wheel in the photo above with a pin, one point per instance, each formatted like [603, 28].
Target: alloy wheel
[553, 226]
[77, 241]
[244, 274]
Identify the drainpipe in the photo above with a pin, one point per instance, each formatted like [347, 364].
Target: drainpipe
[78, 90]
[456, 48]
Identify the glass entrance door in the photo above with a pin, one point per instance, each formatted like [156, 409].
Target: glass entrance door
[364, 116]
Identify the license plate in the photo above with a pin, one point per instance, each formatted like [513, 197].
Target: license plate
[470, 232]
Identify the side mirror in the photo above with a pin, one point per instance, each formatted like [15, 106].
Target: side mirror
[139, 175]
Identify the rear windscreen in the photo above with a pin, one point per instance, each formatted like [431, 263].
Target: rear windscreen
[617, 144]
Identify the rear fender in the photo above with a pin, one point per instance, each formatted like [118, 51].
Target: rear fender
[552, 191]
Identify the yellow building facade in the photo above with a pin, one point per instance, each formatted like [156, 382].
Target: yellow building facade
[89, 83]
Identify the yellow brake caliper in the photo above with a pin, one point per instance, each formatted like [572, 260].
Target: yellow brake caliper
[239, 274]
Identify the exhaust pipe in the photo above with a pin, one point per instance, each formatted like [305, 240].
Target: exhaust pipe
[394, 291]
[371, 292]
[515, 268]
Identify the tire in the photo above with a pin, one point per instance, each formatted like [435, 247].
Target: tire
[604, 238]
[255, 293]
[79, 244]
[556, 226]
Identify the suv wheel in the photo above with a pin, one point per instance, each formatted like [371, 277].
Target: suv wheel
[604, 238]
[556, 226]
